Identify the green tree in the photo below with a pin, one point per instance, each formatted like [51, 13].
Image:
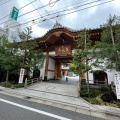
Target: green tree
[8, 58]
[31, 56]
[109, 47]
[81, 57]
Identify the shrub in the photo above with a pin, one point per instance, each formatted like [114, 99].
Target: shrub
[94, 92]
[117, 103]
[18, 85]
[11, 85]
[104, 88]
[84, 92]
[108, 96]
[4, 84]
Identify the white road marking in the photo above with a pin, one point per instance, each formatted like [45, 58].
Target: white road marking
[34, 110]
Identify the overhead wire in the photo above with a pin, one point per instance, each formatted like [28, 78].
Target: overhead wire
[5, 2]
[44, 7]
[73, 12]
[67, 13]
[48, 12]
[52, 11]
[19, 9]
[62, 10]
[69, 9]
[30, 11]
[35, 8]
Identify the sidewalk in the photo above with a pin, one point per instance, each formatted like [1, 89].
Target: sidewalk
[62, 101]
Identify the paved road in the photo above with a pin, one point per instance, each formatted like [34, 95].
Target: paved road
[12, 108]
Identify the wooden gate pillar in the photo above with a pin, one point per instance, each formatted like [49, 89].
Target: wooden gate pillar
[46, 65]
[57, 69]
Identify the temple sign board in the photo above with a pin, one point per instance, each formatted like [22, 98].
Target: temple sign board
[117, 84]
[63, 50]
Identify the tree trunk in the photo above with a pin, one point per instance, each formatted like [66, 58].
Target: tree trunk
[88, 86]
[113, 42]
[79, 87]
[7, 76]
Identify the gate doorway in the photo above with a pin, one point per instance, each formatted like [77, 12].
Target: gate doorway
[100, 77]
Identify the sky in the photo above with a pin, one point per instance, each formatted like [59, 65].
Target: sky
[75, 14]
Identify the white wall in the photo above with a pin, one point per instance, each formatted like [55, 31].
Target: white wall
[42, 70]
[12, 26]
[51, 66]
[110, 73]
[52, 53]
[50, 75]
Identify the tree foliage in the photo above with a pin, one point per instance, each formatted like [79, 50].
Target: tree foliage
[8, 58]
[109, 46]
[31, 56]
[16, 55]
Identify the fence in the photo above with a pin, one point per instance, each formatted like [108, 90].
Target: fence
[97, 82]
[31, 82]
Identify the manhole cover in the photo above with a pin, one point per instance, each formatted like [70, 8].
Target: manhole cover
[50, 88]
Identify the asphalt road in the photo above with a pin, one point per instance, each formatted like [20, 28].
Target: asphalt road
[12, 108]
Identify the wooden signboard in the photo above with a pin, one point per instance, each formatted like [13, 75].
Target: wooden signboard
[63, 50]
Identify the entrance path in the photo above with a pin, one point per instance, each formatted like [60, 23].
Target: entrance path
[59, 89]
[71, 81]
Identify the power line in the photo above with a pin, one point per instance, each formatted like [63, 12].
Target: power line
[30, 11]
[72, 12]
[67, 13]
[4, 2]
[44, 7]
[66, 9]
[69, 9]
[35, 8]
[55, 10]
[19, 9]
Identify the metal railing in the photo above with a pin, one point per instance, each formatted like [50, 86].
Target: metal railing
[29, 82]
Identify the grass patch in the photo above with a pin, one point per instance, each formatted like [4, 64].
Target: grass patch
[101, 96]
[11, 85]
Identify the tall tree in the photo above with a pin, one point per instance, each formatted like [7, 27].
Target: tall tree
[8, 58]
[28, 48]
[82, 56]
[109, 46]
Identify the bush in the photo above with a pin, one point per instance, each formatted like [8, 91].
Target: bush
[94, 101]
[18, 85]
[94, 92]
[108, 96]
[11, 85]
[104, 88]
[84, 92]
[117, 103]
[4, 84]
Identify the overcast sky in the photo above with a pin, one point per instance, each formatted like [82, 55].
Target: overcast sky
[87, 18]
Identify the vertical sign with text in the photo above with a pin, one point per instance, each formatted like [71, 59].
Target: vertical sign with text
[14, 13]
[21, 75]
[117, 84]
